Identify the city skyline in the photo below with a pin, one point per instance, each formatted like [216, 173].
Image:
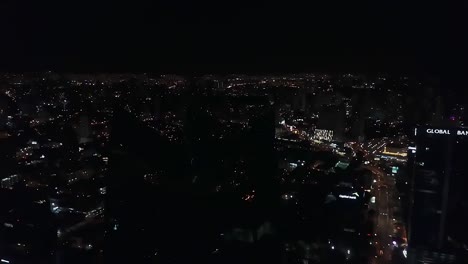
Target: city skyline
[233, 132]
[313, 166]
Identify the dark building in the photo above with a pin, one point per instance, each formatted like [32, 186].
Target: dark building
[27, 229]
[139, 192]
[300, 101]
[189, 201]
[333, 118]
[438, 215]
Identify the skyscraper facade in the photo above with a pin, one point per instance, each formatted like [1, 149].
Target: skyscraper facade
[438, 173]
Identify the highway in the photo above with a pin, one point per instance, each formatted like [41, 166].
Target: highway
[386, 203]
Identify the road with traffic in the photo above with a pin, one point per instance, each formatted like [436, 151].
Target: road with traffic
[390, 233]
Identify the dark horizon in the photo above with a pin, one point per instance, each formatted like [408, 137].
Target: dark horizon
[210, 37]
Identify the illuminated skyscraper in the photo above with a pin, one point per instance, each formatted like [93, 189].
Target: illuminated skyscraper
[439, 211]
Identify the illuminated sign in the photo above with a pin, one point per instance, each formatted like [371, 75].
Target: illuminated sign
[347, 197]
[446, 132]
[438, 131]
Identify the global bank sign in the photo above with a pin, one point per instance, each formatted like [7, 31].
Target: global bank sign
[457, 132]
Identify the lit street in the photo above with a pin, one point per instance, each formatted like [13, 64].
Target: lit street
[385, 203]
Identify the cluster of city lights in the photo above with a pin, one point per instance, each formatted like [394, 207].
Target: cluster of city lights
[323, 134]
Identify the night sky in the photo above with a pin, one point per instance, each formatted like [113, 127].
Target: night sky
[233, 36]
